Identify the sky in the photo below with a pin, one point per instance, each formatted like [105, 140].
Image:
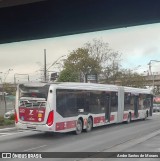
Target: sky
[138, 45]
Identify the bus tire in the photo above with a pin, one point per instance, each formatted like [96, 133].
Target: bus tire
[89, 124]
[79, 127]
[129, 118]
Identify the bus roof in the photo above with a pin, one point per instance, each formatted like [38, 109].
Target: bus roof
[89, 86]
[137, 90]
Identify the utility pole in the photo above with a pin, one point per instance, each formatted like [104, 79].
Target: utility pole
[4, 98]
[152, 74]
[45, 70]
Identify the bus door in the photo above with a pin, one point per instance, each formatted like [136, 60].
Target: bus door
[151, 106]
[107, 107]
[136, 104]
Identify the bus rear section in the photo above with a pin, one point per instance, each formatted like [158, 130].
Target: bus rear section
[137, 104]
[33, 111]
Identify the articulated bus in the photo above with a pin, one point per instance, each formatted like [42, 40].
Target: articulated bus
[64, 107]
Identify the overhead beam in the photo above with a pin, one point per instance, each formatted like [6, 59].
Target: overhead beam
[52, 18]
[9, 3]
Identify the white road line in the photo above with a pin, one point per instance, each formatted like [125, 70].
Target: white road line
[3, 133]
[9, 134]
[7, 129]
[38, 147]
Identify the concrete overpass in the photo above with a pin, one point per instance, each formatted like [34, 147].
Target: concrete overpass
[37, 19]
[153, 81]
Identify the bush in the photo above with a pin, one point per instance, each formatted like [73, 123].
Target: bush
[1, 120]
[4, 121]
[12, 117]
[8, 122]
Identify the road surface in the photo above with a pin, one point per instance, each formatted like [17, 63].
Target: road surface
[138, 136]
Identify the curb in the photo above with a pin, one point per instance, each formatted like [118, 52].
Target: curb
[8, 129]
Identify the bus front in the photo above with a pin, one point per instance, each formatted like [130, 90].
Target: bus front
[33, 111]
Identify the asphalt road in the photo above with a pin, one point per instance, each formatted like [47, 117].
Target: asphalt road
[117, 137]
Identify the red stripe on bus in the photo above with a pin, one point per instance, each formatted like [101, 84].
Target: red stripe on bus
[65, 125]
[99, 119]
[125, 116]
[71, 124]
[112, 118]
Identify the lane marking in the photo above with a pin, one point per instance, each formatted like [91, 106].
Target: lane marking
[7, 129]
[4, 133]
[9, 134]
[38, 147]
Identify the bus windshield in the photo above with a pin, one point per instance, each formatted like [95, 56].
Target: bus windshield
[33, 96]
[32, 103]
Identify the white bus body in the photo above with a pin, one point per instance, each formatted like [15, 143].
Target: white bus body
[64, 107]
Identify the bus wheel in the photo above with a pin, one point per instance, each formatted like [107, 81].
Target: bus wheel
[78, 127]
[89, 124]
[129, 118]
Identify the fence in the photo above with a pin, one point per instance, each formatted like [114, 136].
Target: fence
[6, 104]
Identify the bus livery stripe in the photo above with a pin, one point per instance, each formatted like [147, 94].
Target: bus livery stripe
[112, 118]
[65, 125]
[99, 119]
[125, 116]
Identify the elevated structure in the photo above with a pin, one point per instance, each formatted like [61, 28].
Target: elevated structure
[153, 81]
[37, 19]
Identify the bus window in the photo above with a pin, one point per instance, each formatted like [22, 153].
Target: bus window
[60, 102]
[127, 101]
[97, 102]
[114, 101]
[141, 99]
[70, 108]
[33, 92]
[82, 101]
[66, 103]
[147, 101]
[132, 97]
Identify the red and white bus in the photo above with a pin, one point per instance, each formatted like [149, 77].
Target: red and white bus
[64, 107]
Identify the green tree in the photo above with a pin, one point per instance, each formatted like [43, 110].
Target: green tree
[67, 75]
[80, 63]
